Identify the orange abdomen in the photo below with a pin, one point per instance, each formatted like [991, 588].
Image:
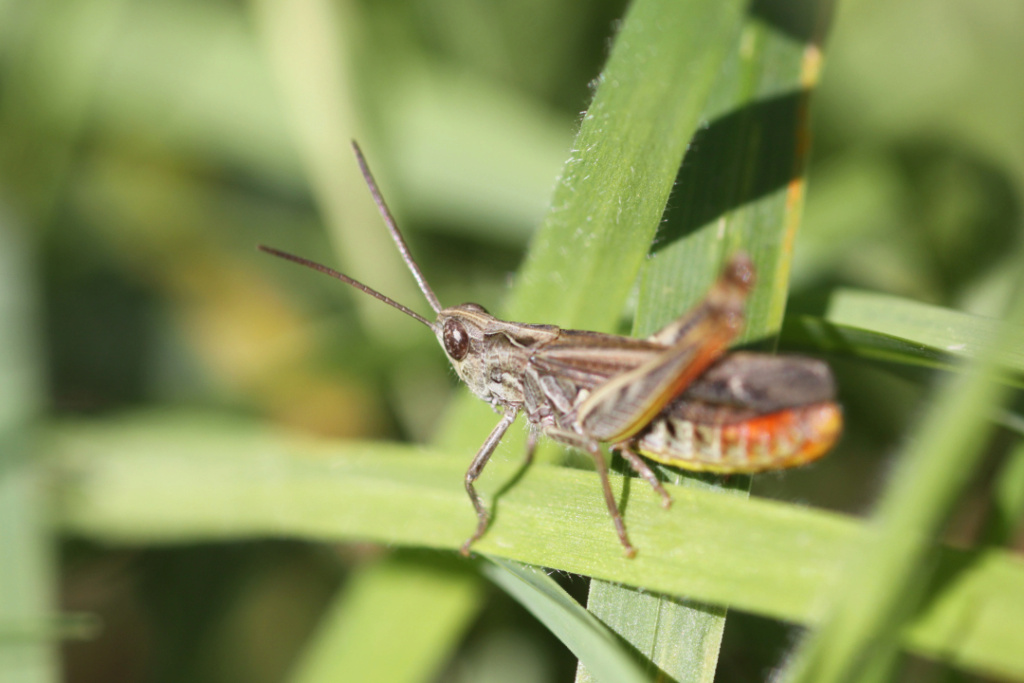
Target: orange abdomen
[786, 438]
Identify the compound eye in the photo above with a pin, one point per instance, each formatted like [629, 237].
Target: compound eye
[456, 340]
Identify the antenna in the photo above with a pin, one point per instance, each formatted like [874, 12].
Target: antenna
[389, 220]
[346, 279]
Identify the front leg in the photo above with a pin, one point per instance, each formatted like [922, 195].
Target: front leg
[482, 456]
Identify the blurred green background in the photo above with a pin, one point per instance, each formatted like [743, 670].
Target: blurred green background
[147, 147]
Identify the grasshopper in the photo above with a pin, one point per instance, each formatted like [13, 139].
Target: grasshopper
[676, 397]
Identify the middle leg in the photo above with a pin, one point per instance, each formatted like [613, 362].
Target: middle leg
[593, 447]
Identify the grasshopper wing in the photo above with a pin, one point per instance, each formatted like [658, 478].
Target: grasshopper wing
[626, 403]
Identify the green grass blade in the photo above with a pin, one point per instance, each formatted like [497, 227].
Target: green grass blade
[129, 481]
[971, 614]
[882, 573]
[612, 194]
[804, 331]
[314, 74]
[396, 621]
[607, 205]
[606, 208]
[893, 329]
[587, 638]
[957, 334]
[678, 638]
[156, 480]
[753, 203]
[309, 44]
[28, 653]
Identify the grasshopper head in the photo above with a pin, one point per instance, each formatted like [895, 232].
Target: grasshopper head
[480, 353]
[489, 354]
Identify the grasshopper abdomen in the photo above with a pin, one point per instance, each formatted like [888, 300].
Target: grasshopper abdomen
[725, 444]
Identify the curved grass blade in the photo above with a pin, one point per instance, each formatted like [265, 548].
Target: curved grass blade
[606, 657]
[943, 330]
[893, 329]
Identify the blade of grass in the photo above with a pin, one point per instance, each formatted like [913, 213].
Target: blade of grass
[63, 627]
[678, 638]
[881, 578]
[960, 335]
[395, 621]
[587, 638]
[308, 43]
[128, 480]
[805, 331]
[612, 193]
[610, 199]
[755, 151]
[159, 480]
[971, 614]
[893, 329]
[28, 653]
[584, 259]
